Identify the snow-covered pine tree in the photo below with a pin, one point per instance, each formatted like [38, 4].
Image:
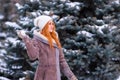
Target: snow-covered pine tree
[88, 31]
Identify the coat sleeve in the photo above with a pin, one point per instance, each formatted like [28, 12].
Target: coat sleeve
[32, 48]
[65, 67]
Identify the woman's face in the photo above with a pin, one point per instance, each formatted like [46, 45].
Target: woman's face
[51, 25]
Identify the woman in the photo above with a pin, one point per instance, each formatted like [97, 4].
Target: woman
[45, 47]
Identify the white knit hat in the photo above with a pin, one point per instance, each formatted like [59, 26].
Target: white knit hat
[41, 21]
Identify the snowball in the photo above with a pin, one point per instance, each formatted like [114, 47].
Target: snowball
[18, 6]
[23, 32]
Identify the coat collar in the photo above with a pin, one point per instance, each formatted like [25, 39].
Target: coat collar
[42, 38]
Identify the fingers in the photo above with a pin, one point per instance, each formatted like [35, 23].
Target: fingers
[21, 33]
[74, 78]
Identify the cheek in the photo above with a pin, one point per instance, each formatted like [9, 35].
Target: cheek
[51, 27]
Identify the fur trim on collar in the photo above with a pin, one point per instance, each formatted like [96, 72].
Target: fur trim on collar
[41, 36]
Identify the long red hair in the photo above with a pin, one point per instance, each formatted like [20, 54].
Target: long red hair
[51, 35]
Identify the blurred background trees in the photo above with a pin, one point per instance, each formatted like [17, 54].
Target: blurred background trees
[89, 31]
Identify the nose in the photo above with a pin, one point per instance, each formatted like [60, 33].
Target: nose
[51, 27]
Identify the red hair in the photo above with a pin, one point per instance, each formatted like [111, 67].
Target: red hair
[51, 36]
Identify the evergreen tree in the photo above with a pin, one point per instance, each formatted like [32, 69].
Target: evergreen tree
[88, 30]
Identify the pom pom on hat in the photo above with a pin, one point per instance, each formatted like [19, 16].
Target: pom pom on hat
[41, 21]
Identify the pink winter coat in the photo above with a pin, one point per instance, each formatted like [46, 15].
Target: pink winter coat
[50, 63]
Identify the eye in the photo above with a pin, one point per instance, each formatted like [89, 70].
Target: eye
[51, 23]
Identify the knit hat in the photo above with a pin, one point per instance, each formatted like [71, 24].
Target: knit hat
[41, 21]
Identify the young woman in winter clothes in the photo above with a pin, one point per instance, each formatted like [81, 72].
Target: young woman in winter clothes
[45, 47]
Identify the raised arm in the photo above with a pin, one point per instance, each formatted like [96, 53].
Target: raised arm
[32, 47]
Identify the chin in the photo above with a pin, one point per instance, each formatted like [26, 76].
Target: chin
[51, 31]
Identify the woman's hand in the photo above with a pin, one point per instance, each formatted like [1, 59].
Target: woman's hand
[74, 78]
[21, 33]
